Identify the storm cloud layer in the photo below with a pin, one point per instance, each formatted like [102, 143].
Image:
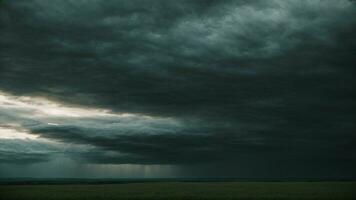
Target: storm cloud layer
[260, 85]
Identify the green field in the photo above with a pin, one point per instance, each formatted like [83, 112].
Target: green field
[183, 190]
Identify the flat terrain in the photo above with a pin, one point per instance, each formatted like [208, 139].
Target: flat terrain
[183, 190]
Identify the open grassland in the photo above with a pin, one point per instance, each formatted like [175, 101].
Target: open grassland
[183, 190]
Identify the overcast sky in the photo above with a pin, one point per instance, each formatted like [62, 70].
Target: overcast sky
[189, 88]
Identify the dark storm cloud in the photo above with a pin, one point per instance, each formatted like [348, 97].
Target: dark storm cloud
[17, 151]
[188, 147]
[22, 158]
[264, 78]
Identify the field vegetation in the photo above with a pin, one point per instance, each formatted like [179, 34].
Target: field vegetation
[182, 191]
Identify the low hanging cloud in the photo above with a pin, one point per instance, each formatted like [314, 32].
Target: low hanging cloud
[107, 137]
[163, 82]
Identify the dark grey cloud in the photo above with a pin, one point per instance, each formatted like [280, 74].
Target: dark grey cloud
[16, 151]
[221, 80]
[22, 158]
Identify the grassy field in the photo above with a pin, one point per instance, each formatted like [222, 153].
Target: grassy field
[183, 190]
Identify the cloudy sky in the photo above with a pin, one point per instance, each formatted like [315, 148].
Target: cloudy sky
[189, 88]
